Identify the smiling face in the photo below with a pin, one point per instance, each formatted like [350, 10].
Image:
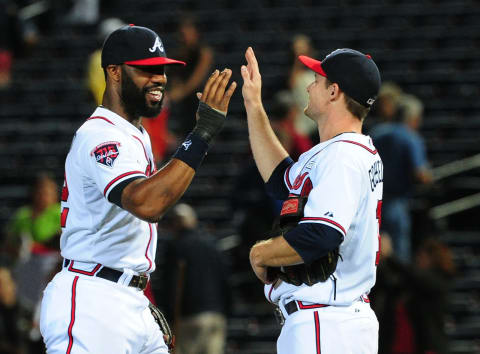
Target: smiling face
[142, 90]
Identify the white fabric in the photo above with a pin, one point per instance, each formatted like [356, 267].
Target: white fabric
[95, 229]
[332, 330]
[344, 197]
[93, 315]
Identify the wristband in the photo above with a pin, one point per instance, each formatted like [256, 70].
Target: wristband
[192, 151]
[210, 122]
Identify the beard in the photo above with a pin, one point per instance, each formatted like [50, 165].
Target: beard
[134, 99]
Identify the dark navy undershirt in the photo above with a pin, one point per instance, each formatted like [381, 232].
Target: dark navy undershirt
[313, 240]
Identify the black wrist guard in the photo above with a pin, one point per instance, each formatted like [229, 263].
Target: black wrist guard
[209, 122]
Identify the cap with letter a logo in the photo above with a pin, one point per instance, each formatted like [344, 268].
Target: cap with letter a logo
[354, 72]
[135, 45]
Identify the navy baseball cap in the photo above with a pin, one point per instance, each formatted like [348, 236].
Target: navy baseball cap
[354, 72]
[135, 45]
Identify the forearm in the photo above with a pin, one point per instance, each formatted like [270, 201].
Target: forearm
[274, 252]
[150, 198]
[267, 150]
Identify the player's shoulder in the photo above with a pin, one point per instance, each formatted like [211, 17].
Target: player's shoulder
[353, 145]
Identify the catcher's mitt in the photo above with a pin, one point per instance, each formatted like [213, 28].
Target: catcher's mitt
[164, 327]
[319, 270]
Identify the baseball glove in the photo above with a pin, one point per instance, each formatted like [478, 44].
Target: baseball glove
[164, 327]
[317, 271]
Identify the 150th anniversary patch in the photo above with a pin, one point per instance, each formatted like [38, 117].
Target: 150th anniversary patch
[106, 153]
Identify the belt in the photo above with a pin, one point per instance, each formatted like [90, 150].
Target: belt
[137, 281]
[295, 305]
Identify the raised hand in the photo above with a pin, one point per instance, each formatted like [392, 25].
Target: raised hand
[214, 93]
[213, 105]
[252, 80]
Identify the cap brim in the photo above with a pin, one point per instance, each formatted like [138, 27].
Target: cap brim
[315, 65]
[155, 61]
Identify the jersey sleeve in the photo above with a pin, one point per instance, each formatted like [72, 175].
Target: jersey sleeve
[110, 159]
[338, 185]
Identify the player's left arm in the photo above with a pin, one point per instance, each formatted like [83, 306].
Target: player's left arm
[305, 243]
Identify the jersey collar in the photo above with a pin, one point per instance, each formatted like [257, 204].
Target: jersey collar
[116, 119]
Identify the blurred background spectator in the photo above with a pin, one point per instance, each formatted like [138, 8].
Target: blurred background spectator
[185, 82]
[299, 78]
[405, 163]
[411, 300]
[194, 291]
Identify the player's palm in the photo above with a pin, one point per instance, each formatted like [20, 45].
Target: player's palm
[215, 94]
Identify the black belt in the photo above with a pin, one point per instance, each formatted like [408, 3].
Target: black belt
[138, 281]
[294, 306]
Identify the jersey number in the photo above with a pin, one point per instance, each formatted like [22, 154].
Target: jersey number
[379, 218]
[64, 215]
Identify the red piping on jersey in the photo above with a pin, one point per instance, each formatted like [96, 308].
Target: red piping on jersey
[286, 176]
[84, 272]
[72, 315]
[271, 289]
[119, 177]
[148, 246]
[326, 220]
[144, 150]
[317, 332]
[374, 152]
[99, 117]
[301, 306]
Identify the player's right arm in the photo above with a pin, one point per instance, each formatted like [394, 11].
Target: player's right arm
[267, 150]
[149, 198]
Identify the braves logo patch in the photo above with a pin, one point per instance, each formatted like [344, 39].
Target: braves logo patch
[106, 153]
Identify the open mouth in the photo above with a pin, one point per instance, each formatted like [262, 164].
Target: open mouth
[155, 95]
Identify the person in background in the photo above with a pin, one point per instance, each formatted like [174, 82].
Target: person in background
[185, 83]
[299, 78]
[95, 75]
[195, 288]
[33, 239]
[10, 336]
[283, 116]
[411, 300]
[405, 164]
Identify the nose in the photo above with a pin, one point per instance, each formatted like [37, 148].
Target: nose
[159, 79]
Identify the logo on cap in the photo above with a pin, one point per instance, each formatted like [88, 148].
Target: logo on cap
[370, 101]
[156, 45]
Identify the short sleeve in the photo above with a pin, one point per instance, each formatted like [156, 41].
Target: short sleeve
[336, 193]
[111, 158]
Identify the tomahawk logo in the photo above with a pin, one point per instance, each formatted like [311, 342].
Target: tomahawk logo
[157, 45]
[186, 144]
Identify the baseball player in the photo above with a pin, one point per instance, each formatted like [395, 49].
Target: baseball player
[111, 199]
[320, 270]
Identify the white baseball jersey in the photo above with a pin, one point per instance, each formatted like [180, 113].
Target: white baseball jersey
[106, 151]
[343, 179]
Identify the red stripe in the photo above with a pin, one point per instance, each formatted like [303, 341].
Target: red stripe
[143, 146]
[270, 292]
[72, 315]
[146, 251]
[119, 177]
[84, 272]
[286, 176]
[374, 152]
[326, 220]
[98, 117]
[301, 306]
[317, 332]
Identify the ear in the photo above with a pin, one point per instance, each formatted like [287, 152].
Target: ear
[335, 92]
[114, 72]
